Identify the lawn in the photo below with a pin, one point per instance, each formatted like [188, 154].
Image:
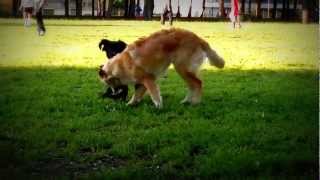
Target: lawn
[258, 117]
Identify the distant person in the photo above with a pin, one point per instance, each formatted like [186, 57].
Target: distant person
[26, 7]
[234, 14]
[138, 10]
[167, 14]
[40, 25]
[29, 7]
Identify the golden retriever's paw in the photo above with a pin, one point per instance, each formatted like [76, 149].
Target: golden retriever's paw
[132, 103]
[158, 104]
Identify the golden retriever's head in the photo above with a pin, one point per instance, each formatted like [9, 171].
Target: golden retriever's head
[107, 76]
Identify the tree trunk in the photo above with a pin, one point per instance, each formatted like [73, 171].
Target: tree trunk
[126, 8]
[148, 9]
[66, 8]
[221, 5]
[178, 11]
[243, 6]
[284, 11]
[78, 8]
[132, 5]
[274, 10]
[295, 2]
[249, 8]
[92, 8]
[258, 9]
[190, 10]
[104, 12]
[15, 7]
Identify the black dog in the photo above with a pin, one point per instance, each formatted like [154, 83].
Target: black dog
[120, 92]
[112, 48]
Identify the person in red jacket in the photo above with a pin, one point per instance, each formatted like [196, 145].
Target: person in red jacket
[234, 14]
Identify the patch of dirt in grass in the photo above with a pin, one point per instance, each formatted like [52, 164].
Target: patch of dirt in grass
[62, 167]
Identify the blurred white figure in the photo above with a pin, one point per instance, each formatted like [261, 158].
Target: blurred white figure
[26, 7]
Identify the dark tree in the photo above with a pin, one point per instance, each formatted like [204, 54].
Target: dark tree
[148, 9]
[284, 10]
[178, 11]
[15, 5]
[92, 8]
[258, 9]
[274, 10]
[78, 8]
[126, 8]
[66, 8]
[132, 5]
[249, 7]
[222, 11]
[190, 10]
[295, 3]
[243, 6]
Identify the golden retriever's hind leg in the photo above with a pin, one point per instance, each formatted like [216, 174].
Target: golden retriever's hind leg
[154, 91]
[138, 94]
[194, 85]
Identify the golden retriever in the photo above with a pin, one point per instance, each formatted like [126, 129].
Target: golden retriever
[143, 61]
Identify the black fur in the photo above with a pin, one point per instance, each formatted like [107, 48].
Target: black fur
[121, 92]
[112, 48]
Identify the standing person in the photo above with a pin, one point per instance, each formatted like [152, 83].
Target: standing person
[234, 14]
[40, 25]
[138, 10]
[167, 14]
[26, 7]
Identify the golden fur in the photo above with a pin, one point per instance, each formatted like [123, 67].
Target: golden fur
[143, 61]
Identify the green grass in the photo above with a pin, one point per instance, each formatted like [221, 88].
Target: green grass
[258, 117]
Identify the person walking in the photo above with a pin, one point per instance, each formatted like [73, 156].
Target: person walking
[26, 6]
[234, 14]
[29, 7]
[40, 25]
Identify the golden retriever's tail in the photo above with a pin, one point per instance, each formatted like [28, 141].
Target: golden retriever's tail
[213, 57]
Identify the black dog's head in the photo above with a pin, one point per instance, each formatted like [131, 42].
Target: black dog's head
[112, 47]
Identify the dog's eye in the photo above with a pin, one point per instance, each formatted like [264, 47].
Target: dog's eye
[102, 73]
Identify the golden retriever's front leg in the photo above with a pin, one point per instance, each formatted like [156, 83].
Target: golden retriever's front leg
[153, 90]
[138, 94]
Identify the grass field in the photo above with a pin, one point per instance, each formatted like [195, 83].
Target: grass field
[258, 117]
